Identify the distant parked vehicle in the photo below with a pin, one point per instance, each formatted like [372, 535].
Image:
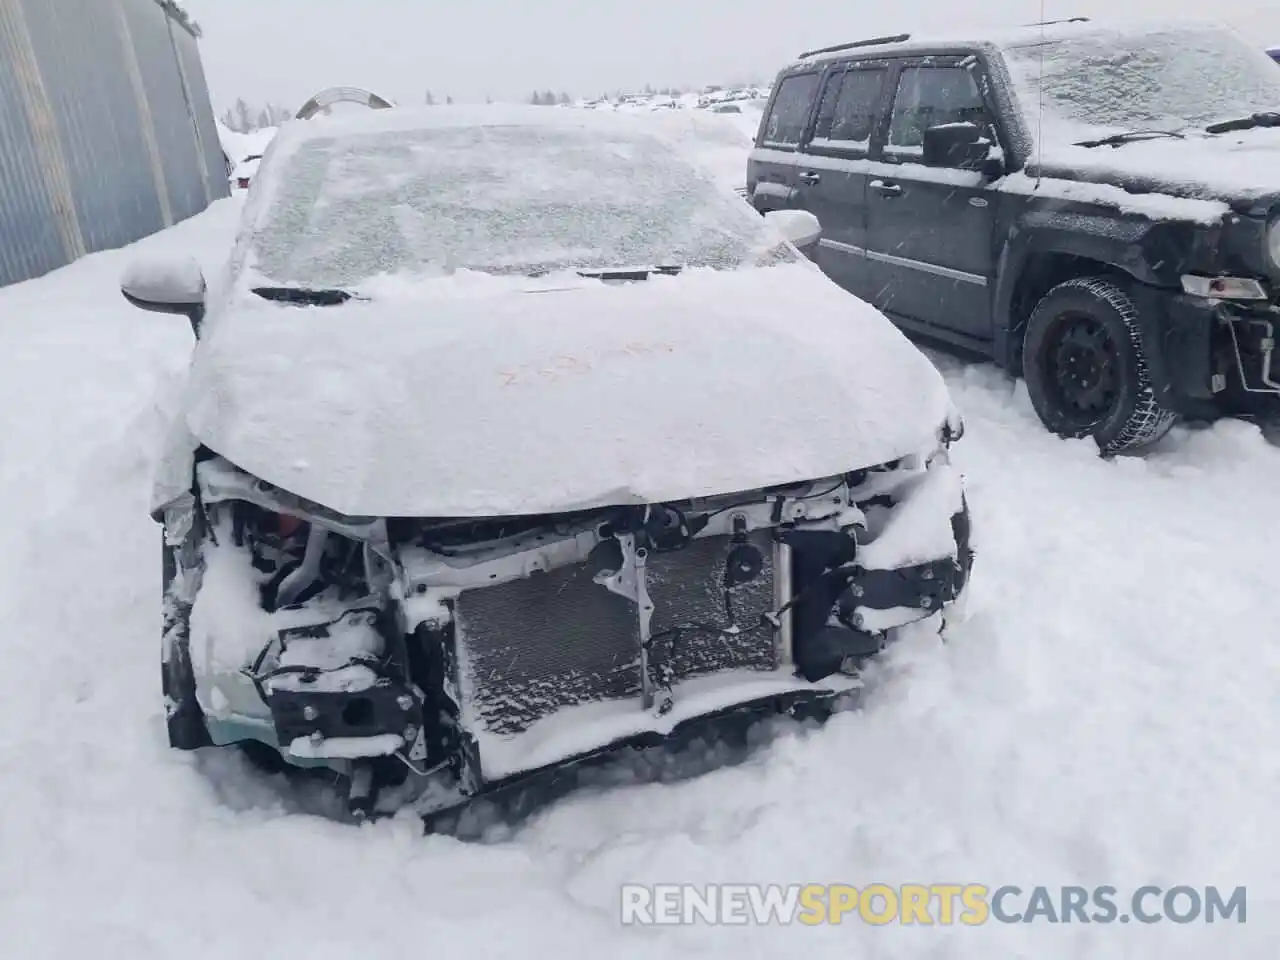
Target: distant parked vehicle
[245, 171]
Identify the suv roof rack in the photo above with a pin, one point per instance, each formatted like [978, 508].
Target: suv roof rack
[873, 42]
[1051, 23]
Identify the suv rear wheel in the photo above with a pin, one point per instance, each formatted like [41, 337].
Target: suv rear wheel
[1085, 369]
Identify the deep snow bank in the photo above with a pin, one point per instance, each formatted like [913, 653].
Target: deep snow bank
[1107, 714]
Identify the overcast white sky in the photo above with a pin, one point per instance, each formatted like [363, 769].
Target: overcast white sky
[287, 50]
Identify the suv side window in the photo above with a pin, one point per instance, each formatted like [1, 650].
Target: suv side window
[929, 96]
[786, 121]
[847, 114]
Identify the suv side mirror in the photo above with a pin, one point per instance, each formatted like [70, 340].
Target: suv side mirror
[167, 286]
[800, 227]
[957, 145]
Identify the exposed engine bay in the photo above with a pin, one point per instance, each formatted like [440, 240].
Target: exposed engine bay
[430, 661]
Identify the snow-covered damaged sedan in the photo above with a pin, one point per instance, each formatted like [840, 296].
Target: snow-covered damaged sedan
[511, 439]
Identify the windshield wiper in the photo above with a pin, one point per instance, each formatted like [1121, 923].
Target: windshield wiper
[1120, 139]
[304, 297]
[1270, 119]
[641, 274]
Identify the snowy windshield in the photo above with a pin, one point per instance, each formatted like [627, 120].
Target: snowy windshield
[1113, 82]
[501, 199]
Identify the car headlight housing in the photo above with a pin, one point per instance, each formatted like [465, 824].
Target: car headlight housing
[1273, 243]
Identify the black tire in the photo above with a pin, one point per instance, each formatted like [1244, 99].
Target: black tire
[1085, 370]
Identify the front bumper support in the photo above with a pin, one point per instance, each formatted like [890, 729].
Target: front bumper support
[869, 602]
[1215, 358]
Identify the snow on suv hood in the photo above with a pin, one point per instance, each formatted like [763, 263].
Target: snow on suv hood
[1229, 168]
[1083, 82]
[476, 395]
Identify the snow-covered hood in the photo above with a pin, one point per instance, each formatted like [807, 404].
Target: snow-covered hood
[1241, 170]
[474, 395]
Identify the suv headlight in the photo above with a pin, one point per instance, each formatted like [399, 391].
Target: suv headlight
[1273, 242]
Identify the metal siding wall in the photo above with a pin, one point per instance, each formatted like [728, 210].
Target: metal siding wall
[78, 46]
[29, 240]
[219, 185]
[98, 143]
[175, 132]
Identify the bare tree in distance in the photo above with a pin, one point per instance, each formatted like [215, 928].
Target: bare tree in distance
[242, 118]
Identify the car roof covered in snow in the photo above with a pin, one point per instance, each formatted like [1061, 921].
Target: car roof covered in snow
[502, 189]
[994, 38]
[240, 146]
[975, 38]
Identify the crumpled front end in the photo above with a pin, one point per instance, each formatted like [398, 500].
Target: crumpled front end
[434, 660]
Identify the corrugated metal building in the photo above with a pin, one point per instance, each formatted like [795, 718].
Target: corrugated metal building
[106, 129]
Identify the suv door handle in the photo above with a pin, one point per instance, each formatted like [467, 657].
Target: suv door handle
[810, 178]
[886, 189]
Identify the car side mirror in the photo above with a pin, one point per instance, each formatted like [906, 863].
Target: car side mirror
[956, 145]
[167, 286]
[800, 227]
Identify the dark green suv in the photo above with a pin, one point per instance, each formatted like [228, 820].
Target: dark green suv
[1096, 209]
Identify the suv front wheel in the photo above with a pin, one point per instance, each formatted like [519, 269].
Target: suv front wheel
[1085, 369]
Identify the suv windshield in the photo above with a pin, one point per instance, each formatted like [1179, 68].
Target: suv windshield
[1099, 83]
[501, 199]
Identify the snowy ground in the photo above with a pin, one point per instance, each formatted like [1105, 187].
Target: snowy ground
[1106, 714]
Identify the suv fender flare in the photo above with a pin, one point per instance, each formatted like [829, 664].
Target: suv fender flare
[1105, 244]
